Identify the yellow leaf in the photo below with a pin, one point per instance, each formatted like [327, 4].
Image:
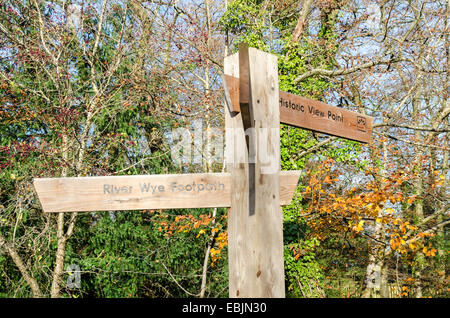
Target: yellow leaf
[359, 227]
[200, 233]
[430, 252]
[214, 252]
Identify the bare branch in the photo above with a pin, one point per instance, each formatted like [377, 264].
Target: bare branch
[330, 73]
[390, 124]
[176, 282]
[410, 142]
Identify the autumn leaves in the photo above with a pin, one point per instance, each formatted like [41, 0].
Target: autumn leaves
[200, 226]
[356, 209]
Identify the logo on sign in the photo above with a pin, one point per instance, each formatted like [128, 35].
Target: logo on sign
[361, 123]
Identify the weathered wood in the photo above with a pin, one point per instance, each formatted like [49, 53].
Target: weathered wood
[314, 115]
[310, 114]
[248, 120]
[236, 159]
[288, 184]
[267, 226]
[256, 267]
[244, 89]
[244, 75]
[145, 192]
[231, 92]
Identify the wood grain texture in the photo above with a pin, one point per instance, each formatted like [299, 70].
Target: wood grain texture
[236, 158]
[313, 115]
[256, 266]
[244, 88]
[231, 92]
[266, 225]
[145, 192]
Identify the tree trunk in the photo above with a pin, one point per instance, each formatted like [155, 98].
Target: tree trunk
[373, 279]
[62, 236]
[59, 263]
[440, 233]
[300, 27]
[374, 282]
[31, 281]
[61, 242]
[418, 185]
[384, 288]
[206, 160]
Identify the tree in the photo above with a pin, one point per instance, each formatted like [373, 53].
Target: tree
[86, 91]
[96, 88]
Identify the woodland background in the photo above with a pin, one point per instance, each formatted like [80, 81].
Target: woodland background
[95, 87]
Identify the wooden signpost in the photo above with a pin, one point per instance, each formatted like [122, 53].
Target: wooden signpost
[310, 114]
[170, 191]
[254, 187]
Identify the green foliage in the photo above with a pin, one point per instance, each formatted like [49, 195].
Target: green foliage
[295, 59]
[346, 151]
[293, 141]
[343, 262]
[123, 254]
[113, 253]
[303, 273]
[246, 18]
[293, 229]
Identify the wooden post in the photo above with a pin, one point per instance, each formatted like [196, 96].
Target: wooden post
[255, 229]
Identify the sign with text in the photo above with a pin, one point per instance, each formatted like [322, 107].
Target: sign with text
[170, 191]
[310, 114]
